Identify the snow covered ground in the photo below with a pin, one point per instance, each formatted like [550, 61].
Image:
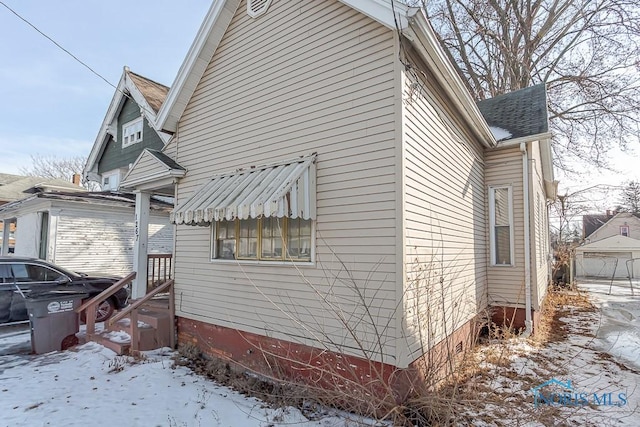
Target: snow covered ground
[597, 351]
[588, 374]
[91, 385]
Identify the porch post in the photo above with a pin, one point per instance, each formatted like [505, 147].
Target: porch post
[6, 224]
[141, 244]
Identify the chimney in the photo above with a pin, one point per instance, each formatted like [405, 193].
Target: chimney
[76, 179]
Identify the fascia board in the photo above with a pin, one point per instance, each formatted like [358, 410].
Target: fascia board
[383, 12]
[114, 107]
[426, 43]
[193, 67]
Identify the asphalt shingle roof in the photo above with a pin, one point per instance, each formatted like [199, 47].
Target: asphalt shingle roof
[154, 92]
[521, 113]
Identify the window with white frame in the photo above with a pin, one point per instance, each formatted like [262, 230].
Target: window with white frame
[263, 239]
[110, 181]
[501, 225]
[624, 230]
[132, 132]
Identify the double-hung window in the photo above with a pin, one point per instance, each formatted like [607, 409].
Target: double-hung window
[501, 225]
[132, 132]
[262, 239]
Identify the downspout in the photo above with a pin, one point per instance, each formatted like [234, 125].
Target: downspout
[527, 241]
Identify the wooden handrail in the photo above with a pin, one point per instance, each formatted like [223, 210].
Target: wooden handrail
[91, 305]
[132, 311]
[123, 313]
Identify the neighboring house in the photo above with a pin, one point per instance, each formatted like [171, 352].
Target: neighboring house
[592, 222]
[609, 249]
[127, 129]
[406, 215]
[85, 231]
[16, 187]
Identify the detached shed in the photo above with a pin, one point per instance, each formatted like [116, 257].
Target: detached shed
[609, 258]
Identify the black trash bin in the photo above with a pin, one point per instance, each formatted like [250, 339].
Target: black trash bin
[53, 320]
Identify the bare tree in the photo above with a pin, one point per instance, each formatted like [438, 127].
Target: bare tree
[630, 197]
[54, 167]
[586, 51]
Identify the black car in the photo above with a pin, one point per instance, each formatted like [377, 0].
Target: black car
[20, 276]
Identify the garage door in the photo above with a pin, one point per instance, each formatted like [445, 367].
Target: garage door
[603, 264]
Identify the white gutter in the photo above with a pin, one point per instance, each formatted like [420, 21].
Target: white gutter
[527, 241]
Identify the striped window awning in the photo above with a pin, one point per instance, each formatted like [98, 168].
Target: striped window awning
[281, 190]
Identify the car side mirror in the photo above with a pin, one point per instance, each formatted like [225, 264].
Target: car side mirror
[63, 280]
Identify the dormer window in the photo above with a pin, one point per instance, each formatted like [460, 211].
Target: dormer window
[132, 132]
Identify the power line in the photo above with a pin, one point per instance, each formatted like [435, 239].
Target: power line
[57, 44]
[142, 107]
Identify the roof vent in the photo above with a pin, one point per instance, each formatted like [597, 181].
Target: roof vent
[256, 8]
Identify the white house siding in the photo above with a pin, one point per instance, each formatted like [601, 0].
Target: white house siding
[445, 219]
[102, 240]
[506, 283]
[28, 235]
[540, 229]
[306, 77]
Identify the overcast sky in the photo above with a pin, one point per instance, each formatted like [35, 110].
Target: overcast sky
[51, 104]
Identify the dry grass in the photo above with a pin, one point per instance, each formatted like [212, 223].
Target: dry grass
[558, 303]
[480, 388]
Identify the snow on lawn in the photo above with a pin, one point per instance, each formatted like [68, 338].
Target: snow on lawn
[591, 364]
[90, 384]
[591, 361]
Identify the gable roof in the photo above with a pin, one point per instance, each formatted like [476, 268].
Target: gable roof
[591, 223]
[150, 167]
[411, 22]
[521, 113]
[148, 94]
[16, 187]
[154, 93]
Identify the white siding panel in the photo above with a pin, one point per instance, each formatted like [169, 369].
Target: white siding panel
[506, 283]
[317, 77]
[445, 220]
[102, 241]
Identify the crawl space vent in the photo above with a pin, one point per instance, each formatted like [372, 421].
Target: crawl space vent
[256, 8]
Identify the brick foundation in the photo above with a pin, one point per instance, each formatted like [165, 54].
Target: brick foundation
[325, 370]
[514, 317]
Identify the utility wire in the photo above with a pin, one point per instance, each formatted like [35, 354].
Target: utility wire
[57, 44]
[126, 95]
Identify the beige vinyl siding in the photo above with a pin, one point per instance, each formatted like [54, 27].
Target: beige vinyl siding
[540, 228]
[305, 77]
[506, 283]
[445, 219]
[612, 228]
[102, 240]
[148, 165]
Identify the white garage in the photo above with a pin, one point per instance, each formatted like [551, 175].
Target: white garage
[616, 256]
